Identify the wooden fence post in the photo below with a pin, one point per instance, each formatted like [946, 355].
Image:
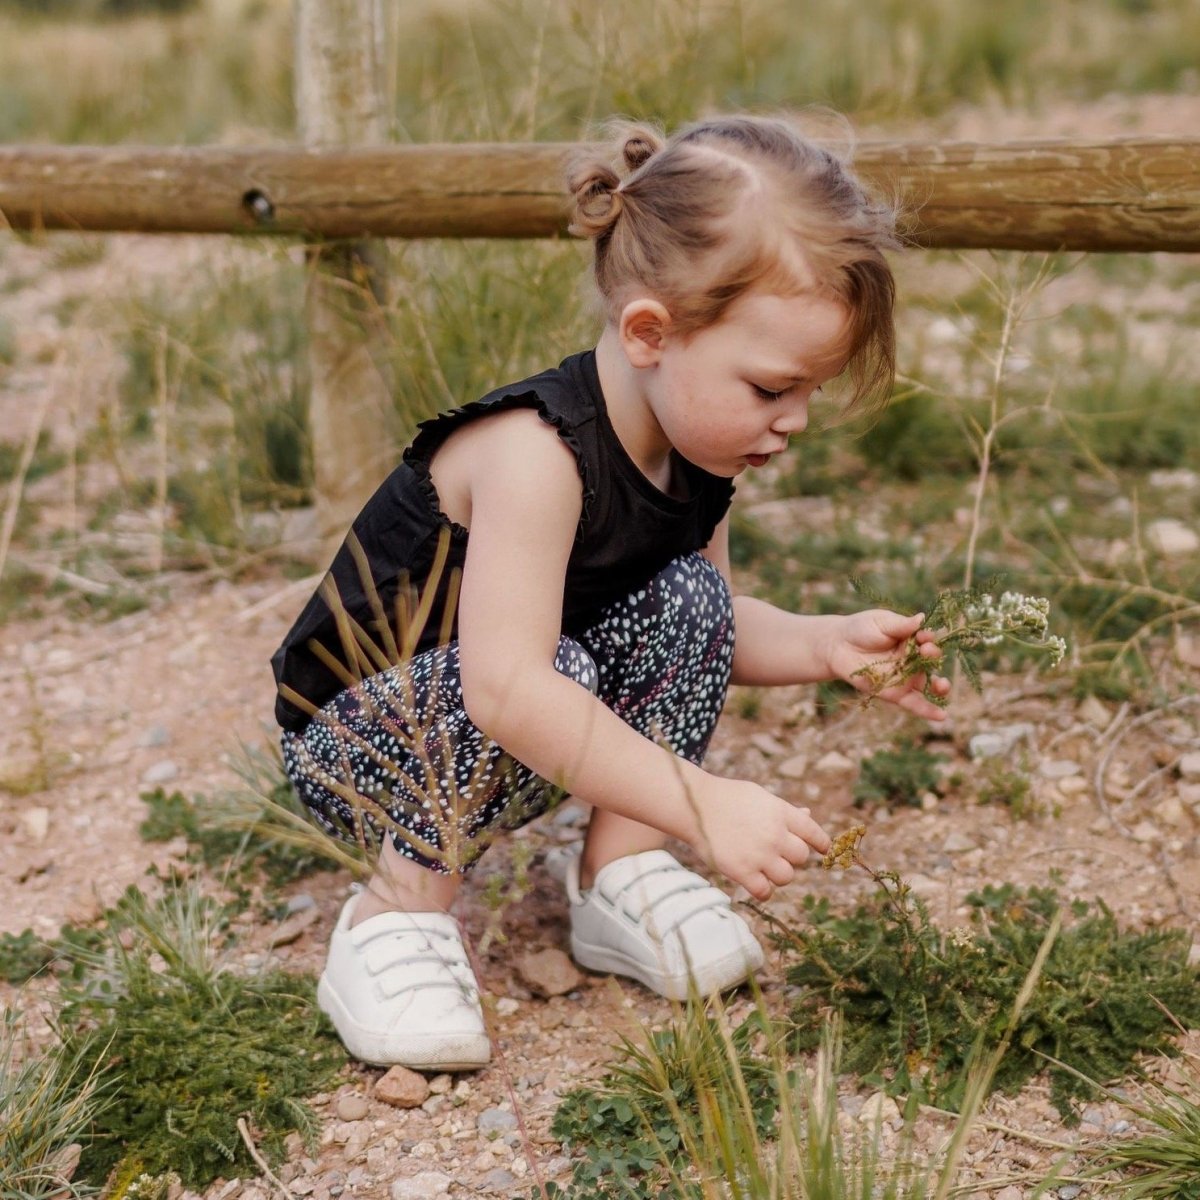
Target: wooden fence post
[339, 103]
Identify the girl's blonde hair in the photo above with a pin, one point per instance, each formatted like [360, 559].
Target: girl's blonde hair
[738, 204]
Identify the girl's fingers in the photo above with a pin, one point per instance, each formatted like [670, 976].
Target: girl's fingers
[806, 828]
[781, 872]
[759, 886]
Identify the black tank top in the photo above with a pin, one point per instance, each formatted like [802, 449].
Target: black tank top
[402, 549]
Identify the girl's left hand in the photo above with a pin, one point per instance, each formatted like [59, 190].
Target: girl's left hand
[878, 638]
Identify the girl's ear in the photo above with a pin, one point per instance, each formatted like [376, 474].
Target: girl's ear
[643, 327]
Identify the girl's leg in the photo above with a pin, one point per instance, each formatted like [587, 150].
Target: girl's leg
[398, 755]
[664, 658]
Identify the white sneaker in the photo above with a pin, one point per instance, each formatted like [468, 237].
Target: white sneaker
[649, 917]
[398, 989]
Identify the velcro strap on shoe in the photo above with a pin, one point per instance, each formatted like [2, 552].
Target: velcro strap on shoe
[669, 915]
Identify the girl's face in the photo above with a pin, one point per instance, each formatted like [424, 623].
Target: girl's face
[728, 397]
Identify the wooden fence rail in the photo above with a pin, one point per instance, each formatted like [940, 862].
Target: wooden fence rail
[1134, 194]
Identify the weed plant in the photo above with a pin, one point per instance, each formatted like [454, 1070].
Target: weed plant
[918, 1003]
[190, 1046]
[48, 1102]
[1162, 1161]
[901, 775]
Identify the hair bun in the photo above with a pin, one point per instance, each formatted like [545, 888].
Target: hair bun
[639, 147]
[598, 203]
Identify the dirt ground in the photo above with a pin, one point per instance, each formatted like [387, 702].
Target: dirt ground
[92, 714]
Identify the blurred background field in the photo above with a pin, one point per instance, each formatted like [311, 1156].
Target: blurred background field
[155, 457]
[178, 427]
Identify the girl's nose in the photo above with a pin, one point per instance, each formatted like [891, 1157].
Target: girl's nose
[793, 418]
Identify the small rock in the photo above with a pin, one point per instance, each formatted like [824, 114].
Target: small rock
[929, 801]
[878, 1108]
[767, 744]
[155, 736]
[1069, 1192]
[162, 771]
[1171, 811]
[498, 1180]
[1093, 711]
[1173, 478]
[548, 972]
[795, 767]
[435, 1105]
[493, 1122]
[958, 843]
[1172, 538]
[299, 903]
[1059, 768]
[1189, 765]
[290, 928]
[558, 1164]
[426, 1185]
[1145, 832]
[506, 1006]
[1072, 785]
[345, 1131]
[37, 822]
[923, 886]
[485, 1160]
[402, 1088]
[439, 1085]
[1010, 1193]
[834, 763]
[995, 742]
[569, 815]
[352, 1107]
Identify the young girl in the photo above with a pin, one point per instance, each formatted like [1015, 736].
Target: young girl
[537, 600]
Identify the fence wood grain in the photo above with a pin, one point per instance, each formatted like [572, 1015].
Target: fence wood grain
[1134, 194]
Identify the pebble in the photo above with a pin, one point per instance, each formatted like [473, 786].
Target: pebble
[37, 821]
[424, 1186]
[299, 903]
[498, 1180]
[439, 1085]
[1093, 711]
[1172, 538]
[1171, 811]
[402, 1088]
[1010, 1193]
[1173, 477]
[878, 1108]
[1059, 768]
[493, 1122]
[568, 816]
[548, 972]
[290, 928]
[1069, 1192]
[352, 1107]
[768, 745]
[1072, 785]
[958, 843]
[162, 771]
[506, 1006]
[795, 767]
[1189, 765]
[833, 763]
[1145, 832]
[995, 742]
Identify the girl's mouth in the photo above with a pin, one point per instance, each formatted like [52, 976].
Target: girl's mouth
[758, 460]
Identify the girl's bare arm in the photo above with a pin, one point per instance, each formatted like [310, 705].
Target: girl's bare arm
[525, 505]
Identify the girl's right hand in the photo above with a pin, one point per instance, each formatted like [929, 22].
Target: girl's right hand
[754, 837]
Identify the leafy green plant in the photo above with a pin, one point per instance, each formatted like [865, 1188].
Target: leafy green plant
[190, 1046]
[900, 775]
[637, 1125]
[235, 830]
[48, 1101]
[917, 1002]
[1003, 785]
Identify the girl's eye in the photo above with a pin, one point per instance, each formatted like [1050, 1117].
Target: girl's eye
[766, 393]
